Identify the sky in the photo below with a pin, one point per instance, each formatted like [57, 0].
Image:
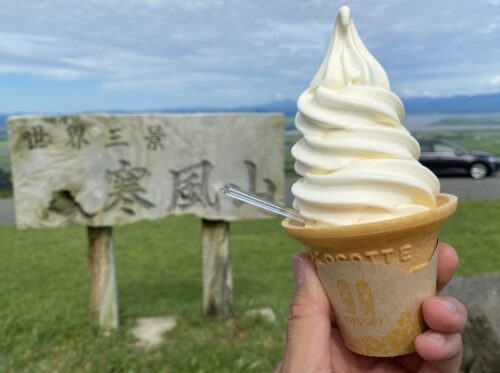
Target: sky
[63, 56]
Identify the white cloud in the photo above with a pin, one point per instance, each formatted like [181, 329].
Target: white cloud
[487, 29]
[26, 45]
[495, 81]
[412, 92]
[116, 62]
[181, 48]
[183, 81]
[43, 71]
[448, 86]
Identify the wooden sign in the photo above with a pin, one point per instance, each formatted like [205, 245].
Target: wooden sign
[105, 170]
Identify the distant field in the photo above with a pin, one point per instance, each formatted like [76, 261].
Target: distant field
[4, 144]
[4, 155]
[289, 161]
[6, 194]
[467, 121]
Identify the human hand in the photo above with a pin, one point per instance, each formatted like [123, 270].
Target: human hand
[314, 343]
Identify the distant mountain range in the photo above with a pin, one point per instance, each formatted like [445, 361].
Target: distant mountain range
[487, 103]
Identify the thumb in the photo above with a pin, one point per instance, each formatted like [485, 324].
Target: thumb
[309, 327]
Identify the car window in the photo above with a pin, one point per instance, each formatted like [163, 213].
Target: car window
[426, 147]
[443, 148]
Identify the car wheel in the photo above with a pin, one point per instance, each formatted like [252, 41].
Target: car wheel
[478, 170]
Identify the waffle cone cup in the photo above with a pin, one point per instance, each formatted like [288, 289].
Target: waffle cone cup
[377, 274]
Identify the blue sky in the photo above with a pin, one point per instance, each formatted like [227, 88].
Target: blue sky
[67, 56]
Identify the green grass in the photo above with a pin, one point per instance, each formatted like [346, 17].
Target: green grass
[44, 321]
[473, 231]
[44, 285]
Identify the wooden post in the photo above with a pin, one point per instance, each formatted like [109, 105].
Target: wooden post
[217, 275]
[103, 293]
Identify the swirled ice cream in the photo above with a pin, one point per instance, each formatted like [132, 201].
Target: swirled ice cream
[358, 163]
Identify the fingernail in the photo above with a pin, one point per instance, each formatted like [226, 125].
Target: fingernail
[451, 306]
[298, 268]
[437, 338]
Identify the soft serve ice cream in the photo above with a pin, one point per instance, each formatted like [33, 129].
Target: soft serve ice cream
[358, 163]
[374, 213]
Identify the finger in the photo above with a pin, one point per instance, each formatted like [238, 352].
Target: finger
[440, 352]
[308, 335]
[447, 264]
[444, 314]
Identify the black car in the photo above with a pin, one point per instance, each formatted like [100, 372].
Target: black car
[446, 158]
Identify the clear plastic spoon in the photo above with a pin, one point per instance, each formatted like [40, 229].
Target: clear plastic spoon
[233, 191]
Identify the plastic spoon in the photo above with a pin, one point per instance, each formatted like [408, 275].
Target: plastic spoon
[234, 192]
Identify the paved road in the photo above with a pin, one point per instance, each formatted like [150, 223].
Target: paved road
[463, 187]
[7, 216]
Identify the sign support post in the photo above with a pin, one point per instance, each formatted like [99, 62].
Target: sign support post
[103, 288]
[217, 274]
